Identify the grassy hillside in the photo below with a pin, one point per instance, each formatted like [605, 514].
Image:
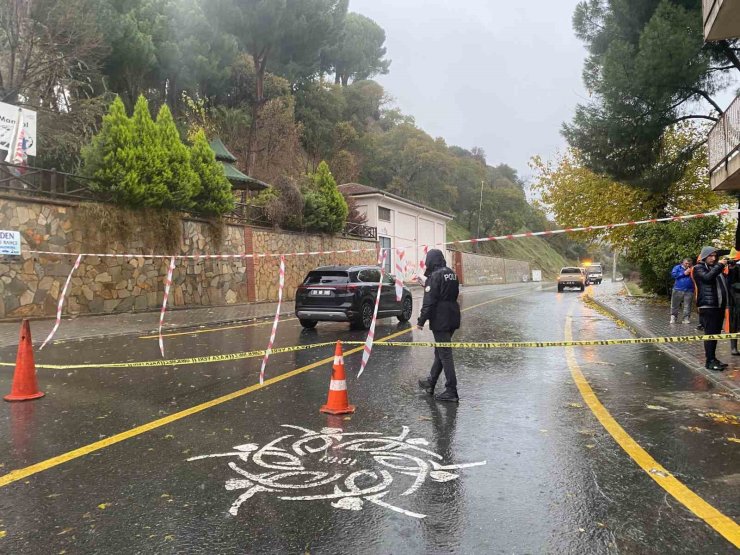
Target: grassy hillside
[536, 251]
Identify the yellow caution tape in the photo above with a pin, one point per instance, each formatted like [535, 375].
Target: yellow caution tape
[581, 343]
[453, 345]
[180, 361]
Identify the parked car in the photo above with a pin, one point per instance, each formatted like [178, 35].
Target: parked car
[571, 276]
[347, 294]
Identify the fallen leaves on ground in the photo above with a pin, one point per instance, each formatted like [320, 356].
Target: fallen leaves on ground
[720, 418]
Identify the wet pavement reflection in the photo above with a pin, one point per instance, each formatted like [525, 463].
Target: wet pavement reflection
[554, 480]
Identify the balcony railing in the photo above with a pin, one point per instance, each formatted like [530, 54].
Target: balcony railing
[360, 230]
[724, 138]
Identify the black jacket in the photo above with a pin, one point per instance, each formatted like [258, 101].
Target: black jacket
[440, 295]
[711, 286]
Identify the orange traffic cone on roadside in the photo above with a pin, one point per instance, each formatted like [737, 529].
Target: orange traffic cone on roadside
[24, 378]
[338, 401]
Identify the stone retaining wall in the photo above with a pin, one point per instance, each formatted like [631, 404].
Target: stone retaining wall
[266, 271]
[31, 285]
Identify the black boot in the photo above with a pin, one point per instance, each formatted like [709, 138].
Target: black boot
[427, 386]
[449, 395]
[715, 365]
[733, 347]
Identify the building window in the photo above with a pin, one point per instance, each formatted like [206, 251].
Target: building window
[384, 214]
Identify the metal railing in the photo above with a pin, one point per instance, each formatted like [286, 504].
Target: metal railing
[244, 213]
[361, 230]
[724, 138]
[31, 181]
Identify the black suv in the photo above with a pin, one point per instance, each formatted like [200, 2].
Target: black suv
[347, 294]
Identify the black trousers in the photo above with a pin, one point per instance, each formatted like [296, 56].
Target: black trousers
[443, 361]
[711, 319]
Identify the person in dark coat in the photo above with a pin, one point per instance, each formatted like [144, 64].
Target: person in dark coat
[711, 299]
[440, 308]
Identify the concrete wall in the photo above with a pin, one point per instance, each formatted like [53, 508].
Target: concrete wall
[30, 285]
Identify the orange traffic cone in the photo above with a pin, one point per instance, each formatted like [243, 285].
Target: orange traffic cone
[338, 402]
[24, 378]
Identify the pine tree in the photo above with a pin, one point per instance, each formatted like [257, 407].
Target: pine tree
[215, 197]
[325, 209]
[181, 180]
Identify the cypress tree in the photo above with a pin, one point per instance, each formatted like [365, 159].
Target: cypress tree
[181, 181]
[151, 162]
[215, 196]
[325, 209]
[109, 159]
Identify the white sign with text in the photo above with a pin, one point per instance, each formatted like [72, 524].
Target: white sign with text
[10, 242]
[8, 117]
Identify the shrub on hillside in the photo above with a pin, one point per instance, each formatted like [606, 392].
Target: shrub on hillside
[215, 196]
[325, 209]
[283, 204]
[658, 248]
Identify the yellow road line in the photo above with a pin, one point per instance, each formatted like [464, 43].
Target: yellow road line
[211, 330]
[723, 524]
[22, 473]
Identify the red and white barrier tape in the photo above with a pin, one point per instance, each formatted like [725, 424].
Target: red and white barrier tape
[167, 284]
[423, 261]
[400, 270]
[61, 301]
[367, 349]
[275, 322]
[370, 249]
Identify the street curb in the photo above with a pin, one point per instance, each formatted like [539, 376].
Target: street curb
[690, 362]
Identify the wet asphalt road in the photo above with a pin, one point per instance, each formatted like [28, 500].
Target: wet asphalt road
[404, 474]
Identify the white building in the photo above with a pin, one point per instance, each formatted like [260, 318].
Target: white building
[401, 223]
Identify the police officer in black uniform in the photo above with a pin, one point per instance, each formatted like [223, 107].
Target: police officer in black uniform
[441, 309]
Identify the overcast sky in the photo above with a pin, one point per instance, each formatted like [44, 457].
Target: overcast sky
[501, 75]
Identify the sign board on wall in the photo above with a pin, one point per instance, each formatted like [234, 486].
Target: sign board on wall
[8, 117]
[10, 242]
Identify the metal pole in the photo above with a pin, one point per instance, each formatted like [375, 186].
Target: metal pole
[614, 266]
[480, 207]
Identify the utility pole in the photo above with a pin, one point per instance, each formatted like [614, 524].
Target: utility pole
[614, 266]
[480, 207]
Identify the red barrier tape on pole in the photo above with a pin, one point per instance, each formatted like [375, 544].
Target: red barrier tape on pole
[61, 301]
[371, 333]
[167, 284]
[399, 273]
[275, 322]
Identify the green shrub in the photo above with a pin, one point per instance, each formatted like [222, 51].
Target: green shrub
[183, 183]
[658, 248]
[215, 196]
[110, 159]
[325, 209]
